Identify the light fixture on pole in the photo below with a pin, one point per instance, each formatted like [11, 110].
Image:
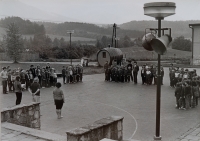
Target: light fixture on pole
[70, 32]
[159, 10]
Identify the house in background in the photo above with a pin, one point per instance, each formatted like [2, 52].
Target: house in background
[109, 54]
[195, 43]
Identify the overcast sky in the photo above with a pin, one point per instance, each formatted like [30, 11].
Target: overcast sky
[112, 11]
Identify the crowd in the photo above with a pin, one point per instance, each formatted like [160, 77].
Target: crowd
[129, 72]
[19, 79]
[187, 87]
[185, 82]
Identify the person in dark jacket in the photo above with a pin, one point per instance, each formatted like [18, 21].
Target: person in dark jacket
[178, 89]
[64, 74]
[130, 69]
[187, 95]
[106, 66]
[143, 75]
[135, 72]
[32, 69]
[18, 90]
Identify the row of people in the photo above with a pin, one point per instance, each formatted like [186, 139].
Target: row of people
[177, 74]
[119, 73]
[46, 75]
[72, 74]
[129, 72]
[187, 93]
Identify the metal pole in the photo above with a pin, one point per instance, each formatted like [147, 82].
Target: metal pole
[157, 136]
[115, 36]
[70, 48]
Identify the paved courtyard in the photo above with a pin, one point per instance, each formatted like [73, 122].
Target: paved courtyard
[94, 99]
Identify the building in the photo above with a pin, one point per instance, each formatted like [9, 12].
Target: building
[109, 54]
[195, 43]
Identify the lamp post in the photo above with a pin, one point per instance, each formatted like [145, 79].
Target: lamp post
[70, 33]
[159, 10]
[117, 39]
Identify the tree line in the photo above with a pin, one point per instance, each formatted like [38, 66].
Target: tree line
[13, 44]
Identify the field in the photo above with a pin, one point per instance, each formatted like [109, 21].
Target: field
[140, 53]
[66, 38]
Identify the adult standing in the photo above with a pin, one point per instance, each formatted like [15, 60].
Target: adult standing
[4, 76]
[38, 74]
[64, 74]
[130, 68]
[135, 72]
[106, 65]
[58, 99]
[32, 69]
[143, 75]
[18, 90]
[35, 90]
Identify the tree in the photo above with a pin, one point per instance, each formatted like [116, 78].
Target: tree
[180, 43]
[14, 42]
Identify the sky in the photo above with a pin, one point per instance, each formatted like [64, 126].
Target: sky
[108, 11]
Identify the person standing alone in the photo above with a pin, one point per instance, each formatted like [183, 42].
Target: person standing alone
[58, 99]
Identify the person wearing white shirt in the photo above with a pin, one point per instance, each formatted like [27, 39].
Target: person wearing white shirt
[4, 76]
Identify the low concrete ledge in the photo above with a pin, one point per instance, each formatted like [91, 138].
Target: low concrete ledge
[110, 128]
[33, 132]
[25, 115]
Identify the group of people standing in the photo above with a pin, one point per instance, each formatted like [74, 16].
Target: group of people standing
[124, 73]
[187, 87]
[34, 78]
[16, 81]
[72, 74]
[129, 72]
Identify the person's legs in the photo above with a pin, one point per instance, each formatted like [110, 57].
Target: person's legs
[18, 98]
[37, 98]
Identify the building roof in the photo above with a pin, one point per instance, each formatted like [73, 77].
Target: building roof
[196, 24]
[113, 51]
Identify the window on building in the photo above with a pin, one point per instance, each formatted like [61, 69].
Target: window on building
[104, 54]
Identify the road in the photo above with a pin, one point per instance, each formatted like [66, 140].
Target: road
[94, 99]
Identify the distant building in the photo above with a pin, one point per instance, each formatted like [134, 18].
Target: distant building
[195, 43]
[109, 54]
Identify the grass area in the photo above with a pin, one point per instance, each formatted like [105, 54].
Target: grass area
[140, 53]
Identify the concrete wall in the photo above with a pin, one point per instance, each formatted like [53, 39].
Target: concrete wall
[196, 45]
[24, 115]
[110, 127]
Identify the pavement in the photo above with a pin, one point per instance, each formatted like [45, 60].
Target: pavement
[95, 99]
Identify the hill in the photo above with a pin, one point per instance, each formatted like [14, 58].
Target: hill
[179, 28]
[139, 53]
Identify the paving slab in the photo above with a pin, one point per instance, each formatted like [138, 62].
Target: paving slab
[95, 99]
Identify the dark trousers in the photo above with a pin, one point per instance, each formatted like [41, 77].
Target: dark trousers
[44, 83]
[10, 85]
[40, 79]
[64, 76]
[4, 83]
[71, 78]
[81, 77]
[18, 97]
[143, 79]
[135, 76]
[27, 84]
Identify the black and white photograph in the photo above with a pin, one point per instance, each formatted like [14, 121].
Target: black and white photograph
[100, 70]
